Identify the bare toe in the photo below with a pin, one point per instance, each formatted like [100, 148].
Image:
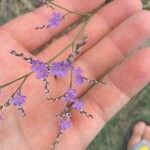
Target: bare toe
[146, 134]
[137, 134]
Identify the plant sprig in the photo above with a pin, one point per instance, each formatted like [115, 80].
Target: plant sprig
[43, 70]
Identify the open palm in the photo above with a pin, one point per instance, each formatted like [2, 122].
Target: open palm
[113, 33]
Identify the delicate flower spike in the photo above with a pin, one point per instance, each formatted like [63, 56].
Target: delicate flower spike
[78, 105]
[20, 54]
[41, 70]
[79, 79]
[60, 69]
[70, 95]
[18, 99]
[64, 124]
[55, 20]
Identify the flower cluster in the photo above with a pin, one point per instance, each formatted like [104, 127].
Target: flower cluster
[40, 69]
[74, 102]
[59, 69]
[71, 96]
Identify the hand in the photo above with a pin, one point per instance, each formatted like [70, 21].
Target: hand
[113, 32]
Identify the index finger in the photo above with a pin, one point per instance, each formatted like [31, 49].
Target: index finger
[22, 28]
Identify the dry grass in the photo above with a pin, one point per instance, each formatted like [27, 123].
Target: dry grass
[13, 8]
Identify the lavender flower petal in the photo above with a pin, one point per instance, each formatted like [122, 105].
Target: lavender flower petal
[60, 69]
[79, 79]
[78, 105]
[18, 99]
[64, 124]
[70, 95]
[55, 20]
[39, 67]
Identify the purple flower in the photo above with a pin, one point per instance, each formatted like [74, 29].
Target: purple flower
[55, 20]
[18, 99]
[70, 95]
[79, 79]
[40, 69]
[60, 69]
[37, 65]
[78, 105]
[42, 74]
[64, 123]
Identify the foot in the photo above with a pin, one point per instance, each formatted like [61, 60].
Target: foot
[140, 131]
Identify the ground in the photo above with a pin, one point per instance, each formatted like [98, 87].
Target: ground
[112, 135]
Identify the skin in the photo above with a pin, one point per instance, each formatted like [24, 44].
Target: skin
[141, 130]
[112, 39]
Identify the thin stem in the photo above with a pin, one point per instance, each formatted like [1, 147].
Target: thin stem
[7, 103]
[79, 33]
[20, 86]
[59, 53]
[71, 73]
[70, 11]
[57, 140]
[71, 78]
[85, 22]
[26, 75]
